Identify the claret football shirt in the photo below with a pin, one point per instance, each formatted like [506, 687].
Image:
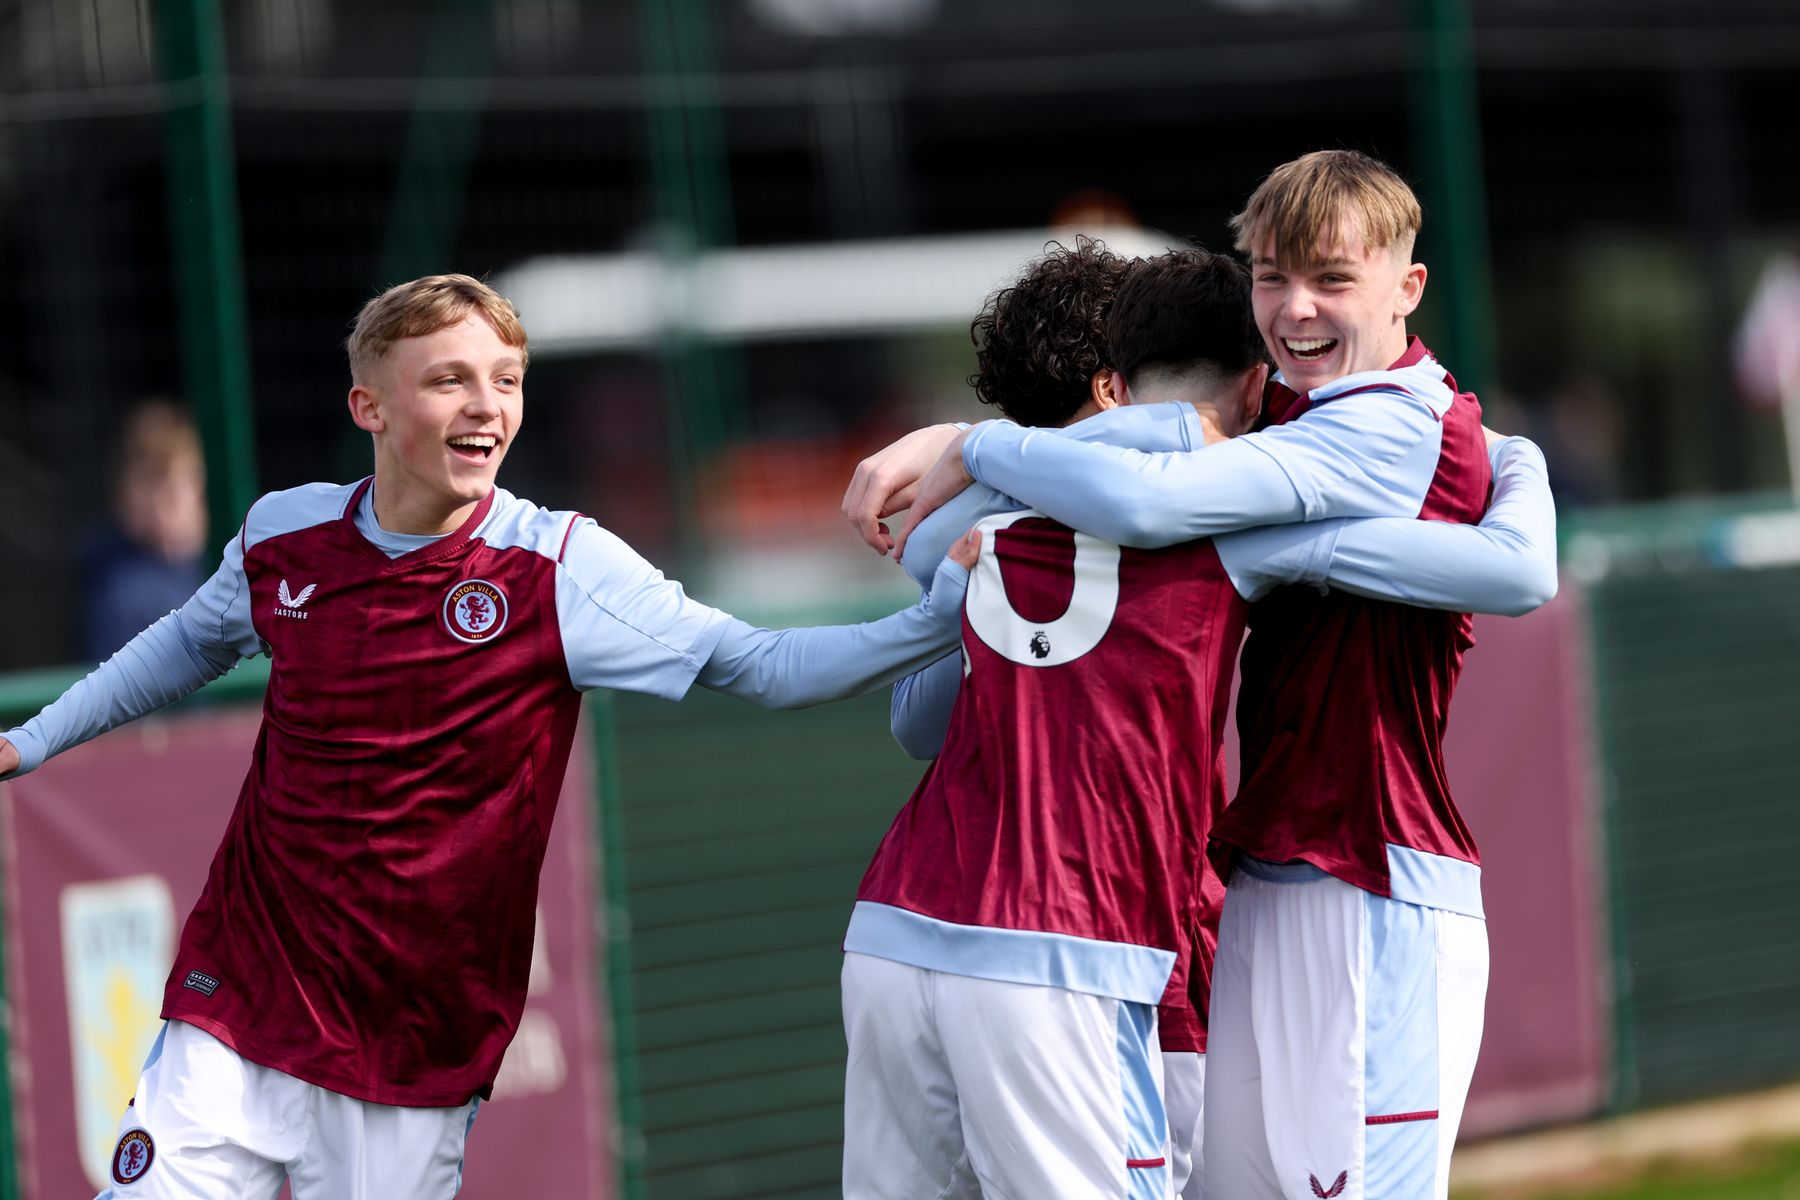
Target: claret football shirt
[367, 921]
[1058, 837]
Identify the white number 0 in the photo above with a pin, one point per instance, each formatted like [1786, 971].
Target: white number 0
[1043, 643]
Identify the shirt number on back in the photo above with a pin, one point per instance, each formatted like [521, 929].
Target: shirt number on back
[1043, 643]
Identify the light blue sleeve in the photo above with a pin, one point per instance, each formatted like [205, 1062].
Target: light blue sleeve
[1370, 454]
[793, 668]
[1505, 565]
[932, 540]
[1136, 426]
[920, 713]
[178, 655]
[1150, 427]
[624, 624]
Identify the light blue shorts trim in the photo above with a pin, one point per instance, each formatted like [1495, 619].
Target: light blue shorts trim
[1126, 972]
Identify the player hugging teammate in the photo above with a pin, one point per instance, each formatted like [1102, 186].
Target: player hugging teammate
[1046, 887]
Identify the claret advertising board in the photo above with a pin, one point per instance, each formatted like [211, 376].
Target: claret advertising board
[105, 851]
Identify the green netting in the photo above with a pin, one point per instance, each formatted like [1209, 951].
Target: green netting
[744, 836]
[1695, 616]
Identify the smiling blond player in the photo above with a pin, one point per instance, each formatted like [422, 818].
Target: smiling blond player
[356, 964]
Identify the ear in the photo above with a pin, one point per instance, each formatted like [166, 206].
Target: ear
[365, 409]
[1256, 382]
[1411, 291]
[1107, 389]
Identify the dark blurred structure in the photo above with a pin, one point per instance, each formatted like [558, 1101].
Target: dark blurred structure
[1638, 165]
[146, 558]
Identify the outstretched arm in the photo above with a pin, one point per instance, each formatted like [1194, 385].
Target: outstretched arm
[625, 626]
[794, 668]
[1504, 565]
[178, 655]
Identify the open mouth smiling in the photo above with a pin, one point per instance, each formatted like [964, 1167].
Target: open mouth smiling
[1309, 349]
[476, 447]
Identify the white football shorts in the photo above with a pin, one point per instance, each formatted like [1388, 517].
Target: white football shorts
[1344, 1032]
[964, 1087]
[1184, 1094]
[207, 1125]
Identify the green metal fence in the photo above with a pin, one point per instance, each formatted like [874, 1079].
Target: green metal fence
[1695, 633]
[745, 834]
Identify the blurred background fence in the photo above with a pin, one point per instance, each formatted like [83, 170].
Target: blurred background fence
[747, 237]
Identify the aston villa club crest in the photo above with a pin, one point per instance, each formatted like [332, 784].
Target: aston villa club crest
[475, 611]
[132, 1157]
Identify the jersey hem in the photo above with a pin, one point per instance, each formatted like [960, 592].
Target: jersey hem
[250, 1051]
[1117, 970]
[1418, 877]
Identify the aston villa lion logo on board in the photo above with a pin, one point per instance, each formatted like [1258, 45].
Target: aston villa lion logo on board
[133, 1157]
[475, 611]
[118, 939]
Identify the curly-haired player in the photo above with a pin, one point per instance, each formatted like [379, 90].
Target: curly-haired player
[1040, 344]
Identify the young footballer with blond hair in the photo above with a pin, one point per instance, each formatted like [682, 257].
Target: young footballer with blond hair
[356, 965]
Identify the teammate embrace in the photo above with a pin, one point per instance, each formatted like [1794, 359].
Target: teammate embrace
[1031, 957]
[1048, 886]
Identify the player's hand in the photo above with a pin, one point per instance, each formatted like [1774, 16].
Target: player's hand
[884, 482]
[967, 550]
[942, 483]
[9, 753]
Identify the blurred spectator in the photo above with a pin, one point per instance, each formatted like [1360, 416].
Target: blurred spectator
[1582, 434]
[146, 559]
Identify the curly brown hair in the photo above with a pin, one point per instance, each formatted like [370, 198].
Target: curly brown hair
[1039, 342]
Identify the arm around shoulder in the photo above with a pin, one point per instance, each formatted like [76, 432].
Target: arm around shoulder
[1133, 497]
[1506, 565]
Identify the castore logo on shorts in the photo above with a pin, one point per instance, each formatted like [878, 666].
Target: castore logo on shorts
[1336, 1188]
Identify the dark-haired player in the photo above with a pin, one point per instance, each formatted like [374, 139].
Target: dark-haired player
[1042, 891]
